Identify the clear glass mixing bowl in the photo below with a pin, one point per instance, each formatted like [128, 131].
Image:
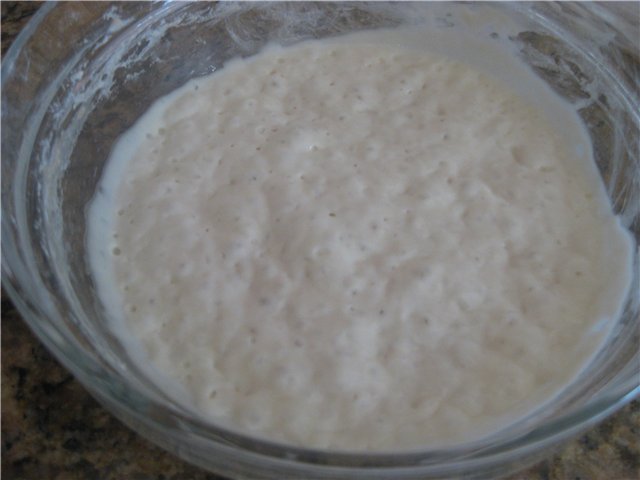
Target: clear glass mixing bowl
[80, 74]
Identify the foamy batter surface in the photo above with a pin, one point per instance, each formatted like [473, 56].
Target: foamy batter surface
[353, 246]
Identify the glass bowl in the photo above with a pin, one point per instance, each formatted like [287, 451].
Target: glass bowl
[80, 74]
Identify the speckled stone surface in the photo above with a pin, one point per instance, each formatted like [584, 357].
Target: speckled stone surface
[53, 429]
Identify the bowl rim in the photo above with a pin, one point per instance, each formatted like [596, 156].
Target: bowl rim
[116, 392]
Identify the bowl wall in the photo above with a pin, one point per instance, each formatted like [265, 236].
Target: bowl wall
[81, 74]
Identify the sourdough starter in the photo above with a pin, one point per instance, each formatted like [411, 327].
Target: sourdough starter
[358, 245]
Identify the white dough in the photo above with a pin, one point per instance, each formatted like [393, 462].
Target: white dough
[358, 246]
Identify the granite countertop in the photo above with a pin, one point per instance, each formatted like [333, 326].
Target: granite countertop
[53, 429]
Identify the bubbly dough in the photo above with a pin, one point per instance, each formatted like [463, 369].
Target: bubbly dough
[355, 247]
